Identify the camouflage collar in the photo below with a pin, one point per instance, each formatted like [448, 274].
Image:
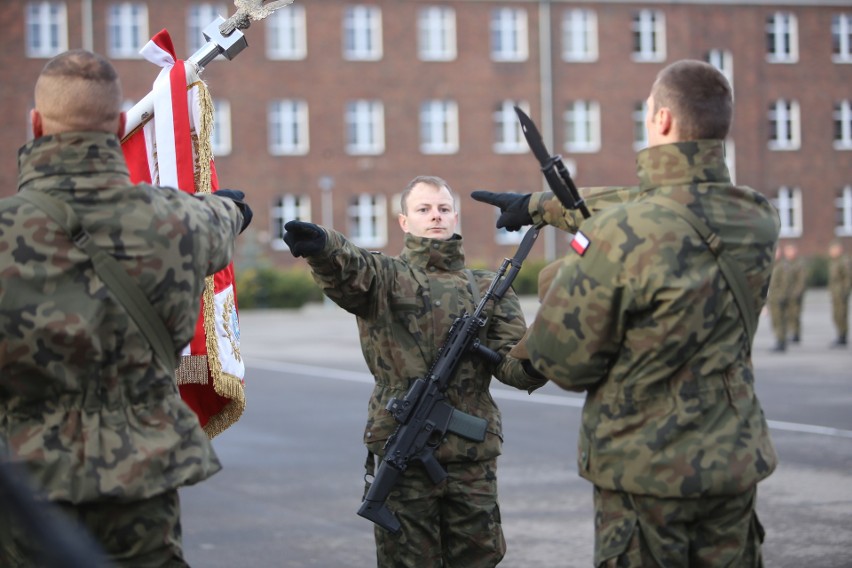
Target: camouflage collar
[446, 255]
[93, 159]
[682, 163]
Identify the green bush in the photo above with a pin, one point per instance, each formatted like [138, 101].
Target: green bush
[526, 282]
[266, 287]
[818, 272]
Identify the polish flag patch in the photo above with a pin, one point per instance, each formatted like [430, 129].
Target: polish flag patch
[580, 243]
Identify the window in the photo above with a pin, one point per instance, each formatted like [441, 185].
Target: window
[362, 33]
[784, 125]
[367, 220]
[286, 34]
[285, 208]
[221, 136]
[723, 60]
[508, 136]
[841, 38]
[649, 36]
[582, 127]
[731, 159]
[47, 29]
[640, 134]
[365, 127]
[789, 205]
[842, 118]
[579, 35]
[436, 34]
[439, 127]
[782, 38]
[288, 128]
[509, 34]
[844, 212]
[127, 29]
[199, 16]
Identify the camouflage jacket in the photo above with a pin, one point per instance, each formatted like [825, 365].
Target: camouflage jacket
[840, 276]
[83, 400]
[645, 323]
[404, 307]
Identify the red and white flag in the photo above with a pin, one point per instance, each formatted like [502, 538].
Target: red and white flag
[167, 150]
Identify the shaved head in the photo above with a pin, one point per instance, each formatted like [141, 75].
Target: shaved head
[77, 91]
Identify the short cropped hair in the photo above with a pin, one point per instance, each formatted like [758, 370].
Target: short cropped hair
[699, 96]
[434, 181]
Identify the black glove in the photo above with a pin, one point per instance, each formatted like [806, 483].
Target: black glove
[304, 239]
[238, 197]
[514, 208]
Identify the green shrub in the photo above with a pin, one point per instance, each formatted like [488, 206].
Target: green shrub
[266, 287]
[526, 282]
[818, 272]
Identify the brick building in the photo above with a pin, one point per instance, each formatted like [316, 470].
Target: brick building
[335, 104]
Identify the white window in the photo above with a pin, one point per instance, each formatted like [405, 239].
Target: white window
[509, 37]
[286, 34]
[362, 33]
[784, 125]
[508, 136]
[365, 127]
[439, 127]
[504, 237]
[723, 60]
[782, 38]
[127, 29]
[789, 205]
[221, 136]
[583, 126]
[649, 36]
[844, 212]
[367, 220]
[47, 29]
[436, 33]
[640, 133]
[579, 35]
[288, 128]
[731, 159]
[841, 38]
[842, 118]
[199, 16]
[288, 207]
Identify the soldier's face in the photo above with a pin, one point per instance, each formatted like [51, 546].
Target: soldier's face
[430, 212]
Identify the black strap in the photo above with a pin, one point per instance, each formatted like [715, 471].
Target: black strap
[122, 286]
[734, 277]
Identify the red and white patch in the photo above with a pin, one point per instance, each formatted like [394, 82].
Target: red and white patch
[580, 243]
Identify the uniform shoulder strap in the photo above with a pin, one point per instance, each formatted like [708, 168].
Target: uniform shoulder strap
[119, 282]
[734, 277]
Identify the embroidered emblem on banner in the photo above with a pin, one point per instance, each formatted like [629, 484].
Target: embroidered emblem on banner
[580, 243]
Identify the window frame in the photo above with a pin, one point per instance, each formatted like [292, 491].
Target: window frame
[130, 23]
[509, 31]
[841, 119]
[648, 26]
[362, 33]
[843, 203]
[375, 205]
[289, 25]
[586, 115]
[785, 138]
[298, 112]
[782, 37]
[365, 119]
[437, 33]
[287, 207]
[579, 26]
[42, 23]
[439, 126]
[841, 37]
[508, 134]
[789, 202]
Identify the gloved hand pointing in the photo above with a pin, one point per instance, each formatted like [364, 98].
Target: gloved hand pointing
[238, 197]
[304, 239]
[514, 208]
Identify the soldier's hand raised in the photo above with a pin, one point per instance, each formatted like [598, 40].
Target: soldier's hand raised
[514, 208]
[304, 239]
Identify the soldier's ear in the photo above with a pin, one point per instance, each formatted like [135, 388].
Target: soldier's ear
[35, 120]
[403, 222]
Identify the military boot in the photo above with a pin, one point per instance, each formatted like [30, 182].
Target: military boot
[840, 342]
[780, 347]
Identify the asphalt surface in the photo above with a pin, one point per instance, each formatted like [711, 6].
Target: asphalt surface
[293, 464]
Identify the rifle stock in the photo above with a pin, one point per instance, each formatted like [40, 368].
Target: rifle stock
[424, 416]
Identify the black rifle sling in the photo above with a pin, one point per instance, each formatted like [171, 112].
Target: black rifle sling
[734, 277]
[119, 282]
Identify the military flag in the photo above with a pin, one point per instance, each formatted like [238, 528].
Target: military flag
[171, 146]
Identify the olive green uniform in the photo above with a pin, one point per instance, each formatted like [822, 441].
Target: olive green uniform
[644, 322]
[839, 288]
[404, 307]
[84, 403]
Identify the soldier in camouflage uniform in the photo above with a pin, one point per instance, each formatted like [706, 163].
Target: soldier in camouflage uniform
[85, 404]
[798, 282]
[839, 288]
[778, 300]
[404, 307]
[641, 318]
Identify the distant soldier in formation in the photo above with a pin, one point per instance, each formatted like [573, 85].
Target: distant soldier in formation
[839, 287]
[798, 267]
[652, 314]
[778, 300]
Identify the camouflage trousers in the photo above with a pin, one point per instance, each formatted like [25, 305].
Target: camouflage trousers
[454, 524]
[639, 531]
[779, 313]
[840, 310]
[137, 534]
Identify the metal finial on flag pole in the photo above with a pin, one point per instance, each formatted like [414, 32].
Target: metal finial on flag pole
[223, 38]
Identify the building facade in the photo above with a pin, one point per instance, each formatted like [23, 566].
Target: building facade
[336, 104]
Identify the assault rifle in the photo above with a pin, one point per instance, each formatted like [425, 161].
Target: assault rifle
[424, 415]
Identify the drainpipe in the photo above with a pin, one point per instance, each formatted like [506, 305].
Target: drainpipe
[545, 48]
[86, 28]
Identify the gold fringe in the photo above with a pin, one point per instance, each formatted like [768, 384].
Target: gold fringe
[192, 370]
